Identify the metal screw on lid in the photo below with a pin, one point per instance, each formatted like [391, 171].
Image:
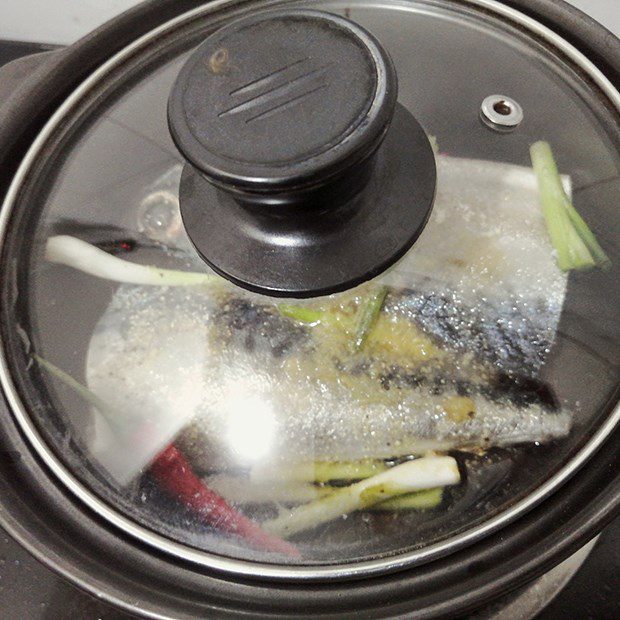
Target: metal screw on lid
[304, 175]
[501, 112]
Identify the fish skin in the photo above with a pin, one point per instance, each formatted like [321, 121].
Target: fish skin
[501, 333]
[334, 423]
[473, 364]
[491, 307]
[482, 276]
[260, 402]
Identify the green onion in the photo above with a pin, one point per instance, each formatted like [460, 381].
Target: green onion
[80, 255]
[301, 313]
[325, 471]
[421, 500]
[587, 236]
[104, 409]
[575, 245]
[434, 144]
[242, 490]
[367, 315]
[416, 475]
[320, 471]
[365, 318]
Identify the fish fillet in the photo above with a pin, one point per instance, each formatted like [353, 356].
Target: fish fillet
[453, 362]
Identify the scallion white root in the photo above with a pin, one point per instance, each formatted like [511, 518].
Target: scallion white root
[80, 255]
[416, 475]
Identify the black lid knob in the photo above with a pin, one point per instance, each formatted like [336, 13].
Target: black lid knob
[280, 116]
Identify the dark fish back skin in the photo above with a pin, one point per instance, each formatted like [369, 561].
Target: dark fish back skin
[500, 387]
[261, 331]
[227, 363]
[513, 335]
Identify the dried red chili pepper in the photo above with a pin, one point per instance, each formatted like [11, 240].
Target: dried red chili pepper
[175, 475]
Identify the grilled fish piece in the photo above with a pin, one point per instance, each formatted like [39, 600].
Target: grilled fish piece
[453, 361]
[255, 386]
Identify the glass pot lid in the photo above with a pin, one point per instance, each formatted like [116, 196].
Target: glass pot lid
[461, 171]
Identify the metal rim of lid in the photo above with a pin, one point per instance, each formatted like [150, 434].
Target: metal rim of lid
[261, 570]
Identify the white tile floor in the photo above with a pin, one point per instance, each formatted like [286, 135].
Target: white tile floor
[63, 21]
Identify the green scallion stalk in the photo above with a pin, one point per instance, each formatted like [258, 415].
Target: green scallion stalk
[587, 236]
[104, 409]
[80, 255]
[434, 144]
[421, 500]
[319, 471]
[325, 471]
[417, 475]
[575, 245]
[301, 313]
[367, 315]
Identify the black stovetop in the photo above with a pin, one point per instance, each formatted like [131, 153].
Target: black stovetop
[30, 590]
